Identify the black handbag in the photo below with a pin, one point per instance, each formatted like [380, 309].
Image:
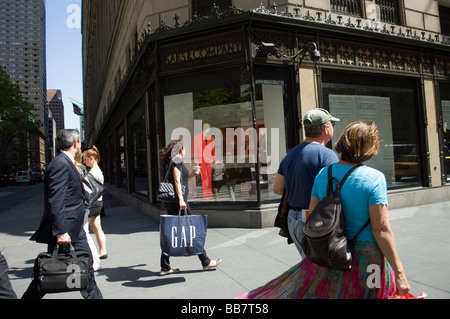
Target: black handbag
[92, 189]
[55, 272]
[166, 191]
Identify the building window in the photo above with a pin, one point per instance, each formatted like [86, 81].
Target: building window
[122, 178]
[392, 105]
[105, 162]
[445, 103]
[444, 15]
[215, 117]
[347, 7]
[112, 162]
[202, 8]
[388, 11]
[139, 151]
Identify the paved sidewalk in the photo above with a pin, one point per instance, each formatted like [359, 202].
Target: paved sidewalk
[251, 257]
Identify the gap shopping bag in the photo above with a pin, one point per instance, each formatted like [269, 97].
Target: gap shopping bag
[183, 235]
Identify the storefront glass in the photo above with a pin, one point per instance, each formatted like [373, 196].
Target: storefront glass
[392, 105]
[123, 163]
[226, 137]
[445, 103]
[112, 161]
[139, 150]
[104, 163]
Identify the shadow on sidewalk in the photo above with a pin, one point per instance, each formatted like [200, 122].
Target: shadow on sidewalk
[131, 277]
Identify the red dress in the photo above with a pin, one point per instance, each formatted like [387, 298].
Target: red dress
[205, 155]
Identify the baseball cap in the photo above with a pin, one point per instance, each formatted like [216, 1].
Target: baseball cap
[318, 117]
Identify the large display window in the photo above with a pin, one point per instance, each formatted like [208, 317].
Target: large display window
[392, 105]
[238, 144]
[445, 104]
[138, 150]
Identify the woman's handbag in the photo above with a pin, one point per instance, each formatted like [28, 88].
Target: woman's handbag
[54, 272]
[92, 189]
[166, 191]
[183, 235]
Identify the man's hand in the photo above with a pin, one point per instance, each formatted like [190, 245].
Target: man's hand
[64, 239]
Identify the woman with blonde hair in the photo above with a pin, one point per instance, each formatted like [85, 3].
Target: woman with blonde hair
[91, 158]
[83, 172]
[363, 196]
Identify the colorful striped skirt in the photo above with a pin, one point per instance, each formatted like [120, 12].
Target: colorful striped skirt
[371, 277]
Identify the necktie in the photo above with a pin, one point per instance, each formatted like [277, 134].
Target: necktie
[76, 167]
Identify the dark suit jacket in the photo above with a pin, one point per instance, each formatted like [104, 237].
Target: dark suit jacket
[6, 291]
[63, 202]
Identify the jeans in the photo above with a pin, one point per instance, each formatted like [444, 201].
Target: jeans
[295, 226]
[165, 261]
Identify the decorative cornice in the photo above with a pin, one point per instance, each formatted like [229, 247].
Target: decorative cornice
[318, 17]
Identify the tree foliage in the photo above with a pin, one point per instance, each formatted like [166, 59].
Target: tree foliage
[16, 118]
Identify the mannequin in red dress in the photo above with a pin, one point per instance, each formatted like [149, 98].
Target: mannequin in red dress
[205, 156]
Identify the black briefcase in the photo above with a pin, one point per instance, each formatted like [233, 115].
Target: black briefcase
[56, 272]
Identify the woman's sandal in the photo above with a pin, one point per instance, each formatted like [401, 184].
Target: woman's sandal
[209, 267]
[169, 272]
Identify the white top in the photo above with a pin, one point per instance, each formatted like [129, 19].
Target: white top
[98, 175]
[70, 156]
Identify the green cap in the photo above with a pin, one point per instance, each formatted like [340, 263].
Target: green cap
[318, 117]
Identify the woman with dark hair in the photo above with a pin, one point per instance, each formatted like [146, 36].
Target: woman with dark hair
[363, 196]
[172, 156]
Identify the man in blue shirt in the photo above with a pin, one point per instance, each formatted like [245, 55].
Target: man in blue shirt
[300, 166]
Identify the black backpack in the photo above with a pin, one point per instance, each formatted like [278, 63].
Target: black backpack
[325, 242]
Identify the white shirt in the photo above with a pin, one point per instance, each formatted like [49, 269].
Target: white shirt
[98, 175]
[70, 156]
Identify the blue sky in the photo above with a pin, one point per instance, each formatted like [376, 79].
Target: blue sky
[64, 63]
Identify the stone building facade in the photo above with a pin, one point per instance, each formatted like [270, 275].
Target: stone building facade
[155, 71]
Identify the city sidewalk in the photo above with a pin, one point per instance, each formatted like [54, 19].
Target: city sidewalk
[251, 257]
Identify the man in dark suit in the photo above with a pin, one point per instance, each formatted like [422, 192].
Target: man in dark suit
[62, 222]
[6, 291]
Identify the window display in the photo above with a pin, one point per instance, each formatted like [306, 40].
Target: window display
[391, 104]
[222, 138]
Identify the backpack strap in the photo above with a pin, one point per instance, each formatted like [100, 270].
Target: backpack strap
[365, 225]
[330, 177]
[338, 185]
[349, 173]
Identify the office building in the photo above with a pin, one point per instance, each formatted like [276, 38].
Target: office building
[23, 57]
[56, 105]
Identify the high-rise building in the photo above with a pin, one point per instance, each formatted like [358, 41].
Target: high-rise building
[56, 105]
[23, 57]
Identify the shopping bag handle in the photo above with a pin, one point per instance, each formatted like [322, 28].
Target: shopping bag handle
[182, 210]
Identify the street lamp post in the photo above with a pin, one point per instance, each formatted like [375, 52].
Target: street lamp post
[270, 49]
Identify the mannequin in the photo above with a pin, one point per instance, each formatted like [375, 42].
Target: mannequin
[205, 156]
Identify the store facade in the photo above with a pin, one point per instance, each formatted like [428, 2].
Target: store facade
[234, 89]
